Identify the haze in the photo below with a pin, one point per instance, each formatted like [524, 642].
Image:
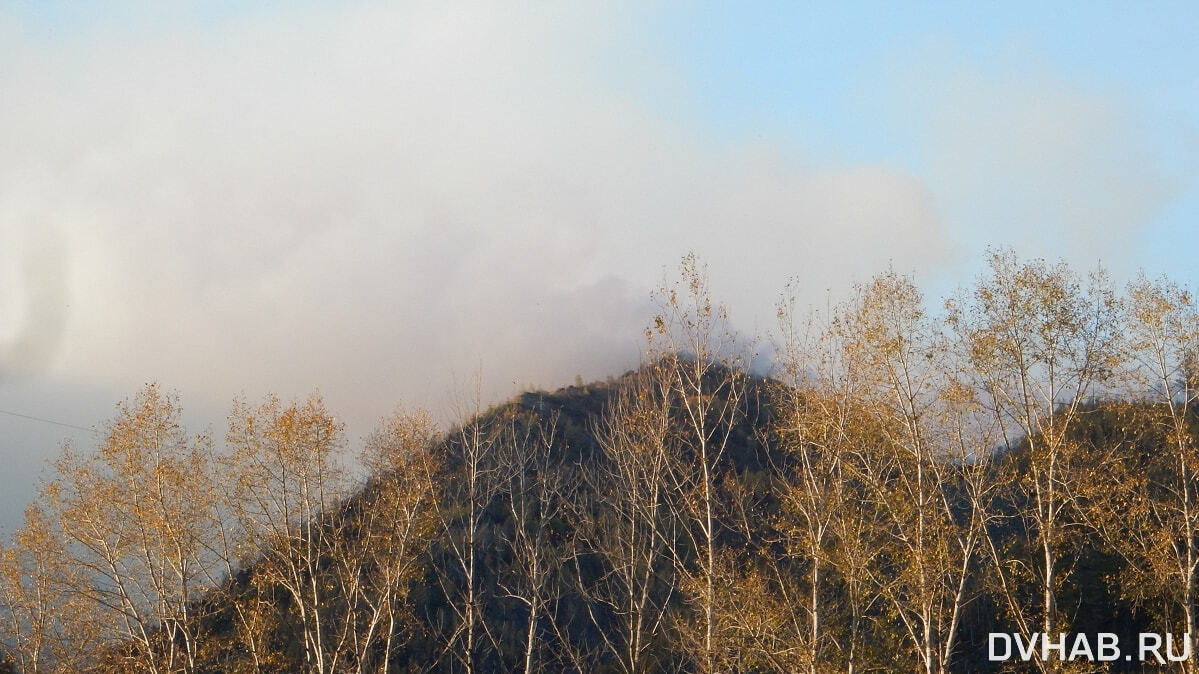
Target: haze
[381, 200]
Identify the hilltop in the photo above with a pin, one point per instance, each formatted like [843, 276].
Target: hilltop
[905, 486]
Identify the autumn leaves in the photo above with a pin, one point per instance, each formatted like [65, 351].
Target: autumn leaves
[912, 475]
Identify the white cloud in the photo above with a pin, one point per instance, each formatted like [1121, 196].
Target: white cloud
[378, 200]
[1017, 154]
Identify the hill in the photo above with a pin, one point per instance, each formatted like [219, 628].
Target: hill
[903, 490]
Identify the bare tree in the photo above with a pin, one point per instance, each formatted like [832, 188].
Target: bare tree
[627, 527]
[472, 485]
[692, 342]
[536, 493]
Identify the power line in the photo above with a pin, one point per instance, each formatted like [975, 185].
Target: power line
[44, 421]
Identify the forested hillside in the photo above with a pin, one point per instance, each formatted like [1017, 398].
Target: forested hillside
[906, 481]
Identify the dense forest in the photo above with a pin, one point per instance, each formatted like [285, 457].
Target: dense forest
[910, 477]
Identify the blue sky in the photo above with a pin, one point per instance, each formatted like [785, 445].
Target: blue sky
[827, 78]
[377, 199]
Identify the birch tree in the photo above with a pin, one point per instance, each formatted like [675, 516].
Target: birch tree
[692, 341]
[1039, 346]
[536, 493]
[48, 626]
[829, 540]
[134, 517]
[472, 484]
[1153, 507]
[919, 474]
[392, 535]
[626, 528]
[287, 479]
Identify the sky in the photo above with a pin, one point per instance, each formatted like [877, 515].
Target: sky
[388, 201]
